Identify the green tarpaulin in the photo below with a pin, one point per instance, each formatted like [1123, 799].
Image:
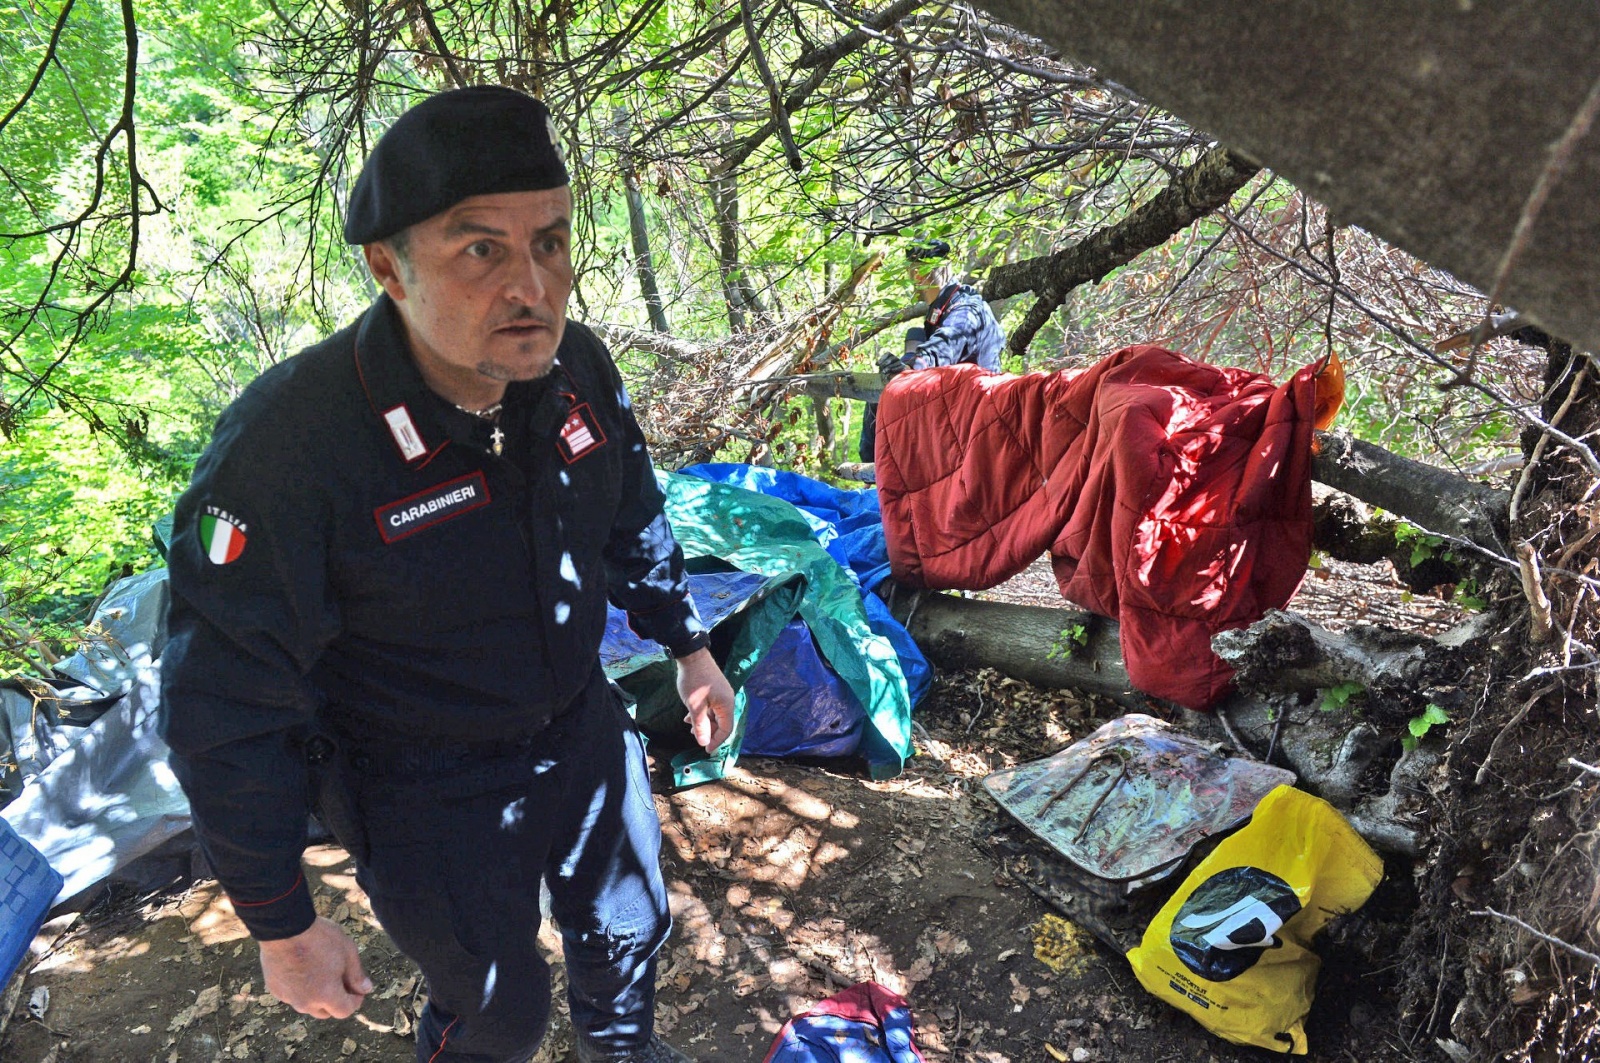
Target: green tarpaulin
[759, 533]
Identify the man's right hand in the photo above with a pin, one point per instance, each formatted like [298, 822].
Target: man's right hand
[891, 365]
[317, 972]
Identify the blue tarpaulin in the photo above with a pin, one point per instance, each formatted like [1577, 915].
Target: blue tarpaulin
[717, 595]
[796, 706]
[847, 524]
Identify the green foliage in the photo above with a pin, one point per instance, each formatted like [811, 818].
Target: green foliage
[1069, 641]
[75, 513]
[1424, 545]
[1341, 695]
[92, 460]
[1468, 595]
[1418, 726]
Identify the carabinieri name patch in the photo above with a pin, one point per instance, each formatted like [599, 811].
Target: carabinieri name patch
[433, 506]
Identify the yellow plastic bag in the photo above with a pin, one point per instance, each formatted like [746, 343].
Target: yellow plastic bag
[1231, 947]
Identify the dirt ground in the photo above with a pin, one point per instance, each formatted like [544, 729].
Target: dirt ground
[788, 882]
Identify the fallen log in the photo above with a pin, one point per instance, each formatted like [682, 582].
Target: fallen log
[1284, 652]
[1335, 754]
[1427, 496]
[1041, 645]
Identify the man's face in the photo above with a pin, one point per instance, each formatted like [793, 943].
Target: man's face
[482, 289]
[924, 275]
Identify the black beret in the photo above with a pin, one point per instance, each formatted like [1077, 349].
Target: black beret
[476, 141]
[927, 249]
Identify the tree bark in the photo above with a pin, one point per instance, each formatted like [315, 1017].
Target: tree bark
[1030, 642]
[725, 204]
[641, 253]
[622, 338]
[1427, 496]
[1344, 528]
[825, 426]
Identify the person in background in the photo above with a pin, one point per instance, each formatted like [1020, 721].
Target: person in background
[959, 327]
[867, 448]
[389, 586]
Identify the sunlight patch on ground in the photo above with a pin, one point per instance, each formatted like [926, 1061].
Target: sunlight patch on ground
[696, 925]
[1063, 946]
[77, 958]
[217, 923]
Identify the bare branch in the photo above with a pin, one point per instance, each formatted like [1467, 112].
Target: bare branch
[44, 64]
[775, 95]
[1199, 190]
[1541, 935]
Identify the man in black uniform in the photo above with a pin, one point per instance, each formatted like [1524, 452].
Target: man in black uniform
[959, 327]
[389, 582]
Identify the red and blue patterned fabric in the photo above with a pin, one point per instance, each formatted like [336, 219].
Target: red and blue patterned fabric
[863, 1024]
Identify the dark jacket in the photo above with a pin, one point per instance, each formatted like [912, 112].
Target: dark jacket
[351, 555]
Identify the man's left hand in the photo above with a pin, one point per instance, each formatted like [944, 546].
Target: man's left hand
[708, 697]
[891, 365]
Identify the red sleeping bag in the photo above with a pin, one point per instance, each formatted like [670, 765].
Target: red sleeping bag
[1171, 495]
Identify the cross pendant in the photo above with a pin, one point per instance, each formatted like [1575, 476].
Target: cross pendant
[497, 440]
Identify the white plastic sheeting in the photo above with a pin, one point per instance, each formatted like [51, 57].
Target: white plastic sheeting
[97, 797]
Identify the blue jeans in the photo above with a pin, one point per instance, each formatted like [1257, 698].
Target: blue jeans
[456, 841]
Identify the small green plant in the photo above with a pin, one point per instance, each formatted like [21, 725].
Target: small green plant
[1423, 545]
[1419, 726]
[1340, 695]
[1468, 595]
[1069, 641]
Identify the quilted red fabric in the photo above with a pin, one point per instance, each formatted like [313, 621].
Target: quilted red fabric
[1172, 495]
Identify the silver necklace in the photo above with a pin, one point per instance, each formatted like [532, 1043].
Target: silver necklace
[497, 438]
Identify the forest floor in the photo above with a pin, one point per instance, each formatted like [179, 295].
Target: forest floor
[788, 881]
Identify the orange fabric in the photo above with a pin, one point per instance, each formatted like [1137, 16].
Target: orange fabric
[1330, 392]
[1172, 496]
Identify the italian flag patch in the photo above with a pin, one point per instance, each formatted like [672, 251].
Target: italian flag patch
[221, 535]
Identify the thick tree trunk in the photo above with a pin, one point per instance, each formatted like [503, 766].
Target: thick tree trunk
[1046, 647]
[1428, 496]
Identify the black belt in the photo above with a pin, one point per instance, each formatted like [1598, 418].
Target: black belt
[367, 754]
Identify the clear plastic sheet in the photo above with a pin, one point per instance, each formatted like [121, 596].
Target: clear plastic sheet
[1134, 798]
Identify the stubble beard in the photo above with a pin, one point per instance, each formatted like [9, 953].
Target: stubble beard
[528, 348]
[504, 373]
